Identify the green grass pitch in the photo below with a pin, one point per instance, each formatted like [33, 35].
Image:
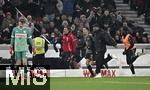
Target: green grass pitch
[117, 83]
[70, 83]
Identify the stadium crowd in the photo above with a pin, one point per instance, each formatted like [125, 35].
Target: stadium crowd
[51, 16]
[59, 20]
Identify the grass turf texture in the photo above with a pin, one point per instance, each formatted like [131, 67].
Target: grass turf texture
[117, 83]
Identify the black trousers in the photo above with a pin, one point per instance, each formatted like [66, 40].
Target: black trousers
[65, 59]
[80, 53]
[99, 58]
[130, 56]
[39, 59]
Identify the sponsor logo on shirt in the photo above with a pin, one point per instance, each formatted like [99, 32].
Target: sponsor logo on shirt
[21, 35]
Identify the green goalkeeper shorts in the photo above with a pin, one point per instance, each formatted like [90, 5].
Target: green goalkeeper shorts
[20, 55]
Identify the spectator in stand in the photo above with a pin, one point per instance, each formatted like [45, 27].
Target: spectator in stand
[6, 35]
[110, 5]
[57, 33]
[64, 17]
[57, 21]
[145, 38]
[59, 6]
[77, 10]
[52, 38]
[97, 15]
[30, 23]
[57, 41]
[2, 2]
[2, 15]
[55, 37]
[116, 24]
[68, 6]
[139, 38]
[44, 32]
[74, 29]
[8, 22]
[7, 26]
[106, 20]
[51, 27]
[84, 23]
[34, 7]
[81, 46]
[126, 27]
[85, 5]
[8, 7]
[119, 17]
[118, 37]
[70, 20]
[76, 22]
[45, 23]
[65, 24]
[96, 3]
[53, 7]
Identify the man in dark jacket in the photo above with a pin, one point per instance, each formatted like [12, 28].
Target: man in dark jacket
[90, 54]
[101, 39]
[81, 46]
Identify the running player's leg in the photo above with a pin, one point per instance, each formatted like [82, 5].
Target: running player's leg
[133, 56]
[129, 56]
[106, 60]
[88, 58]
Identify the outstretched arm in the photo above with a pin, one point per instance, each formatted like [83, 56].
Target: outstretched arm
[109, 40]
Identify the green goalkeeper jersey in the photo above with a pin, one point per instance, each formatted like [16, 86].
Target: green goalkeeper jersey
[20, 39]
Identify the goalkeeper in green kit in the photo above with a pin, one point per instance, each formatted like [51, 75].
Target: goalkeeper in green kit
[20, 38]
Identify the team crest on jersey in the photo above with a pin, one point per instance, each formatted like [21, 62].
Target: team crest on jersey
[24, 31]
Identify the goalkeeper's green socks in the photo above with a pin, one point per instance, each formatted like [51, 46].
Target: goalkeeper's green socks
[25, 71]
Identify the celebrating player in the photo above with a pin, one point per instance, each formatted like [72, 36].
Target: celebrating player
[129, 50]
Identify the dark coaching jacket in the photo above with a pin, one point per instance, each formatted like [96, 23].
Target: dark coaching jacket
[101, 39]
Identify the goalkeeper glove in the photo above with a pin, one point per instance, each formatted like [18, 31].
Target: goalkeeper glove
[11, 51]
[33, 51]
